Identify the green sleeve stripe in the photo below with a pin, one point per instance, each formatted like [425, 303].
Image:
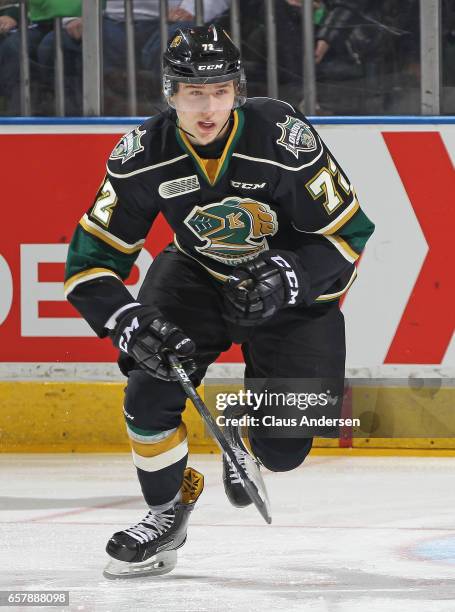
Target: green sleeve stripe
[357, 231]
[87, 251]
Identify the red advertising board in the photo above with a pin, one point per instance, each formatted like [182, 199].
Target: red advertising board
[400, 310]
[49, 180]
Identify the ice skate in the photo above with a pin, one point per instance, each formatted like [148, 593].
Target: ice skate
[233, 486]
[150, 547]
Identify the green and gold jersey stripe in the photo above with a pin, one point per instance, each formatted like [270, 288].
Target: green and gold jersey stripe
[333, 227]
[109, 238]
[216, 171]
[87, 252]
[344, 248]
[86, 275]
[352, 235]
[343, 218]
[329, 297]
[357, 231]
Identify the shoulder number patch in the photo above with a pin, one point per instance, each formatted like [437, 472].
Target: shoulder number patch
[296, 136]
[105, 202]
[129, 146]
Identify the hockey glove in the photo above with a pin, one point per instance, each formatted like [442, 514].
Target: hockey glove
[258, 289]
[146, 337]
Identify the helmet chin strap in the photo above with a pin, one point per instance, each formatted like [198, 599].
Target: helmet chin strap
[195, 137]
[224, 125]
[171, 118]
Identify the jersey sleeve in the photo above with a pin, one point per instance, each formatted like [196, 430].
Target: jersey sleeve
[330, 228]
[104, 247]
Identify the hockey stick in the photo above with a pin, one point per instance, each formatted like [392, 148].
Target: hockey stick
[217, 434]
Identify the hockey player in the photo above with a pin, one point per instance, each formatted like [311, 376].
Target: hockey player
[267, 231]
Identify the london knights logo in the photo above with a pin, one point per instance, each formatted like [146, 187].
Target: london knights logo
[296, 136]
[129, 146]
[234, 230]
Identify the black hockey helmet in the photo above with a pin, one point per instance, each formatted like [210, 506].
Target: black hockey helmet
[202, 55]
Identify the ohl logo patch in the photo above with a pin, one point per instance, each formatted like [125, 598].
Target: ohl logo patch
[234, 230]
[296, 136]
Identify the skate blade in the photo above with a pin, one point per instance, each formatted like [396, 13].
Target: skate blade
[254, 473]
[161, 563]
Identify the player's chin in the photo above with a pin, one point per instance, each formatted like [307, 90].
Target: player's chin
[206, 134]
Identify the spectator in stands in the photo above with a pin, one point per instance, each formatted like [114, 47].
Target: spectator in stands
[345, 30]
[448, 47]
[146, 29]
[352, 38]
[9, 18]
[356, 32]
[146, 21]
[288, 18]
[41, 14]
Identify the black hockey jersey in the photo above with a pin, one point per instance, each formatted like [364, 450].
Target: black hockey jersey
[276, 185]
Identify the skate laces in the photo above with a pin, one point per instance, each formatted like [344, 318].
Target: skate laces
[152, 526]
[242, 457]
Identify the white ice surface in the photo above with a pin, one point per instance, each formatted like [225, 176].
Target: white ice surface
[348, 535]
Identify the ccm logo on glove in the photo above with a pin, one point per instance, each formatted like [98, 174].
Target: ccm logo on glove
[291, 276]
[257, 290]
[126, 335]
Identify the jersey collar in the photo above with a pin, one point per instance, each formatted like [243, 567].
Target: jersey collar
[223, 161]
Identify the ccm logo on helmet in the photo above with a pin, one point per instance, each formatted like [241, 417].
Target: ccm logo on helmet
[210, 67]
[291, 276]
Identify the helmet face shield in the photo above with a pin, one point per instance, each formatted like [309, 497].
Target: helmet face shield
[215, 93]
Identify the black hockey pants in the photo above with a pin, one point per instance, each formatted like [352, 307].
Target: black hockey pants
[299, 342]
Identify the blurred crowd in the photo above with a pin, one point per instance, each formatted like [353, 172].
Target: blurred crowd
[367, 53]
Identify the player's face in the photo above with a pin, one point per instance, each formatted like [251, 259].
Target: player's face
[203, 110]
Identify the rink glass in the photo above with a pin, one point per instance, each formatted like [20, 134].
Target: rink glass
[371, 68]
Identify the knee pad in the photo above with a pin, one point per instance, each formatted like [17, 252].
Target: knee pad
[152, 404]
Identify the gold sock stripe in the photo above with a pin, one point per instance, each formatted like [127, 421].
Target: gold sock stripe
[152, 449]
[164, 460]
